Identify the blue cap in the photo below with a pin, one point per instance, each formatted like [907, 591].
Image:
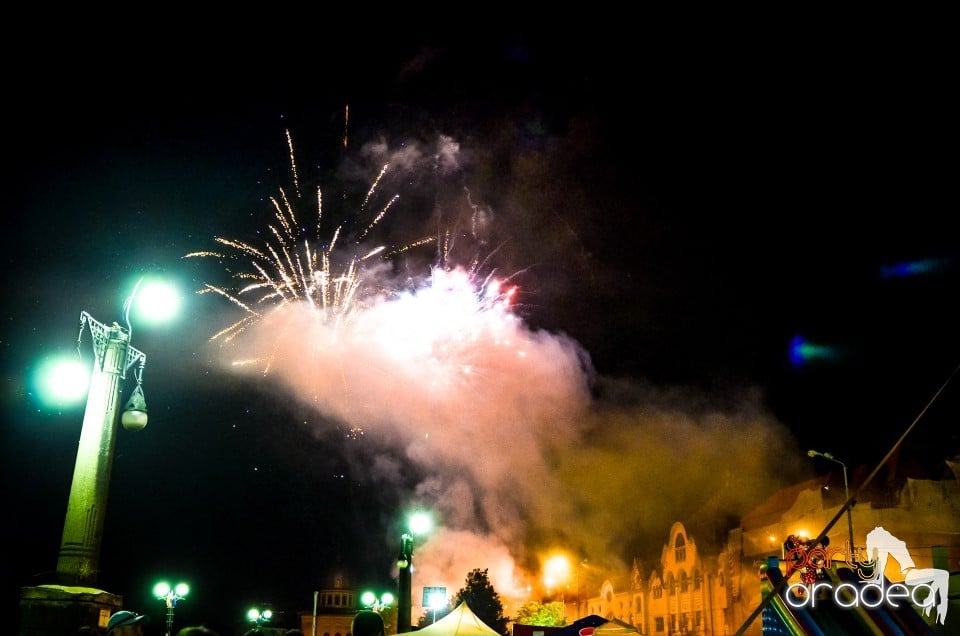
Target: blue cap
[123, 618]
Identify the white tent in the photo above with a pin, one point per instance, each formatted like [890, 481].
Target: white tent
[460, 622]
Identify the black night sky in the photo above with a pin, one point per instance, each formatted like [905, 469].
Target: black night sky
[679, 208]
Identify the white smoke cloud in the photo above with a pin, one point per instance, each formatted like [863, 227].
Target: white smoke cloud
[522, 447]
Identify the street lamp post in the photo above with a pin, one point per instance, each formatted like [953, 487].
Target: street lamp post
[170, 596]
[846, 494]
[418, 524]
[436, 598]
[78, 561]
[369, 600]
[72, 588]
[404, 566]
[255, 615]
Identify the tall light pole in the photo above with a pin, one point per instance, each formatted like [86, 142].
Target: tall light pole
[418, 524]
[79, 558]
[170, 596]
[846, 494]
[71, 597]
[404, 565]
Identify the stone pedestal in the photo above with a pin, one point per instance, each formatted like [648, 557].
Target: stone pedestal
[55, 610]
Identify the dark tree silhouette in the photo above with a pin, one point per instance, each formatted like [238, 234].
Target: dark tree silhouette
[482, 600]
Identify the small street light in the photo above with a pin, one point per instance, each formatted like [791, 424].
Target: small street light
[434, 598]
[846, 494]
[370, 601]
[258, 616]
[170, 596]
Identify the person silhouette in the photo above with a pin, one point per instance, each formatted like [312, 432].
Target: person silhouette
[367, 623]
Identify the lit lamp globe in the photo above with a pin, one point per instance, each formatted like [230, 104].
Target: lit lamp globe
[134, 416]
[156, 303]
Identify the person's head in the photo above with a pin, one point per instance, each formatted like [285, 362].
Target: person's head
[125, 623]
[367, 623]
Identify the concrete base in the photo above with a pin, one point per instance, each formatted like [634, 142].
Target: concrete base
[58, 610]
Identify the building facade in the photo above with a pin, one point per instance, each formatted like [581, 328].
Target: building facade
[713, 591]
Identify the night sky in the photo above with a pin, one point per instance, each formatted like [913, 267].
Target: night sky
[674, 213]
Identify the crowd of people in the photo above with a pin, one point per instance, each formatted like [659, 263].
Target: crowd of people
[128, 623]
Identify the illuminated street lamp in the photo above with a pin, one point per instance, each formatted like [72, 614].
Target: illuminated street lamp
[370, 601]
[78, 560]
[255, 615]
[170, 596]
[434, 599]
[419, 523]
[846, 494]
[68, 595]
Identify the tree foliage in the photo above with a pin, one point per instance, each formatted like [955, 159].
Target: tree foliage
[482, 600]
[541, 614]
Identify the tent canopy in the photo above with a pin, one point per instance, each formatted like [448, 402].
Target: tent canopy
[460, 622]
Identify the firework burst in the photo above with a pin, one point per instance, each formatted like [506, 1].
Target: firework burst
[336, 279]
[294, 267]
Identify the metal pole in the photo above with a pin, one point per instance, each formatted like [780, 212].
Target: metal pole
[169, 618]
[846, 493]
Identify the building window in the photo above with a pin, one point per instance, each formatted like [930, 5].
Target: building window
[696, 579]
[657, 590]
[658, 624]
[680, 547]
[683, 581]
